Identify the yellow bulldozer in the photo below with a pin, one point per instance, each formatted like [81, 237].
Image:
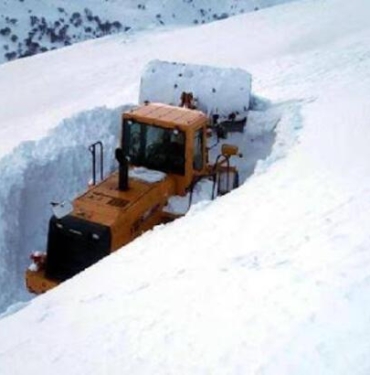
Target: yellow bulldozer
[163, 153]
[163, 156]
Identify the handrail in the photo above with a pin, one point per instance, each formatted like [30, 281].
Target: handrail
[92, 149]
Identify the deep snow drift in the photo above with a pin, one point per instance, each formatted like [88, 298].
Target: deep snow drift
[271, 279]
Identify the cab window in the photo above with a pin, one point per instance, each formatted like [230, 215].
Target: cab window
[155, 147]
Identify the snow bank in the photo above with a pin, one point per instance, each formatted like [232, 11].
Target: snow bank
[217, 91]
[272, 278]
[55, 168]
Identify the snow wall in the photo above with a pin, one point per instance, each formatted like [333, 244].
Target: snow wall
[58, 167]
[217, 90]
[55, 168]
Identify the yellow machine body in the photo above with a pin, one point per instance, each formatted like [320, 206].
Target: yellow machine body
[105, 217]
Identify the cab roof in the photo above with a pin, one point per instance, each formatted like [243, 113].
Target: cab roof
[167, 115]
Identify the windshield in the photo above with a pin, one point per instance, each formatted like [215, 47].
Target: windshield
[155, 147]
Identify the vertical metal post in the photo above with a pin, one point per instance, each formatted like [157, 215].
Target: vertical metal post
[92, 149]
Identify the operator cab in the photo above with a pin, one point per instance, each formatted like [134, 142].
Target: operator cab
[168, 139]
[155, 147]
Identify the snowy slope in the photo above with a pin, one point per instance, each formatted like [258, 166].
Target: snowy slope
[28, 27]
[271, 279]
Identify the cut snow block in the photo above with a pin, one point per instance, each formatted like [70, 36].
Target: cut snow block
[219, 91]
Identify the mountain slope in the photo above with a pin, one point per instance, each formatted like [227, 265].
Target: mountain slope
[28, 27]
[271, 279]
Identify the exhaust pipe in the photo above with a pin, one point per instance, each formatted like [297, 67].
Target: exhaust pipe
[123, 170]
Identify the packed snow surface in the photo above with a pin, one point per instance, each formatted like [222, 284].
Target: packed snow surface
[147, 175]
[273, 278]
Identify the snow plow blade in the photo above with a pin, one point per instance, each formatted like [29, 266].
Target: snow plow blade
[221, 92]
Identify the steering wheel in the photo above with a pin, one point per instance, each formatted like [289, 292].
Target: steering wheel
[156, 155]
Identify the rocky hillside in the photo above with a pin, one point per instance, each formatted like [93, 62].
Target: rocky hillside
[28, 27]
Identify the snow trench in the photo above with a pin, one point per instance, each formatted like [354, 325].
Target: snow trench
[55, 168]
[270, 132]
[58, 168]
[279, 125]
